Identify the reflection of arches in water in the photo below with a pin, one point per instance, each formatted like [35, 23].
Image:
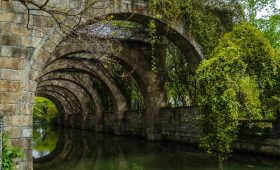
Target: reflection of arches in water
[79, 150]
[63, 152]
[99, 151]
[44, 140]
[95, 151]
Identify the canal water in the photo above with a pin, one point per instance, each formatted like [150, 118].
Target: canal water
[56, 149]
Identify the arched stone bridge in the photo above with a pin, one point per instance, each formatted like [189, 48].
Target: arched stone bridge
[45, 62]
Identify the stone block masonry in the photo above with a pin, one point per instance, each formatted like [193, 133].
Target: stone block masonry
[17, 45]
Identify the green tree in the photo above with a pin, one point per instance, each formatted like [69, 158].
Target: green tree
[253, 7]
[269, 24]
[270, 27]
[236, 83]
[44, 109]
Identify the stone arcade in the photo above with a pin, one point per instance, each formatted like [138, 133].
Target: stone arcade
[42, 62]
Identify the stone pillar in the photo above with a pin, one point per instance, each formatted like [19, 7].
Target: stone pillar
[17, 45]
[99, 122]
[15, 90]
[156, 97]
[120, 123]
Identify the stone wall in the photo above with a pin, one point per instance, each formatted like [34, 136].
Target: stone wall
[182, 125]
[74, 121]
[259, 140]
[109, 120]
[136, 123]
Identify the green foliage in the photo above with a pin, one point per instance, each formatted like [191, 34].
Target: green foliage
[207, 21]
[268, 24]
[180, 83]
[236, 83]
[270, 27]
[252, 7]
[44, 109]
[9, 153]
[152, 30]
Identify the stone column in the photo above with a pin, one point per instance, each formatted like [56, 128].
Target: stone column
[17, 45]
[120, 123]
[156, 97]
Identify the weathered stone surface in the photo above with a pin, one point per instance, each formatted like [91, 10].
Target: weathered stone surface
[9, 97]
[27, 132]
[11, 75]
[6, 51]
[12, 63]
[22, 120]
[11, 40]
[10, 86]
[7, 16]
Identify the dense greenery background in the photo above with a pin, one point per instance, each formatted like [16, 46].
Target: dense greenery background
[240, 77]
[44, 110]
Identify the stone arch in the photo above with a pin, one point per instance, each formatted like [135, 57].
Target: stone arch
[132, 57]
[76, 90]
[69, 97]
[70, 102]
[124, 11]
[82, 80]
[128, 11]
[97, 72]
[59, 102]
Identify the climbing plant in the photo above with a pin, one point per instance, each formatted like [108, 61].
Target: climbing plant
[207, 21]
[180, 84]
[9, 153]
[239, 81]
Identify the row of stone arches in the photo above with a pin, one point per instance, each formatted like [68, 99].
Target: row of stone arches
[75, 74]
[42, 69]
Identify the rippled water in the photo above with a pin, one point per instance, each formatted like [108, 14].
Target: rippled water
[85, 150]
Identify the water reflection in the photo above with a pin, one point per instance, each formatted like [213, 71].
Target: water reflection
[44, 140]
[81, 150]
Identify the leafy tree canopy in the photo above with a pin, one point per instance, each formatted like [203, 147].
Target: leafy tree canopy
[44, 109]
[236, 83]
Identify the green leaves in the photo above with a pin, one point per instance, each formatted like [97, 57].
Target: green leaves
[235, 84]
[206, 21]
[44, 109]
[9, 153]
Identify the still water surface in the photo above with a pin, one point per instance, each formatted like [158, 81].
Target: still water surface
[84, 150]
